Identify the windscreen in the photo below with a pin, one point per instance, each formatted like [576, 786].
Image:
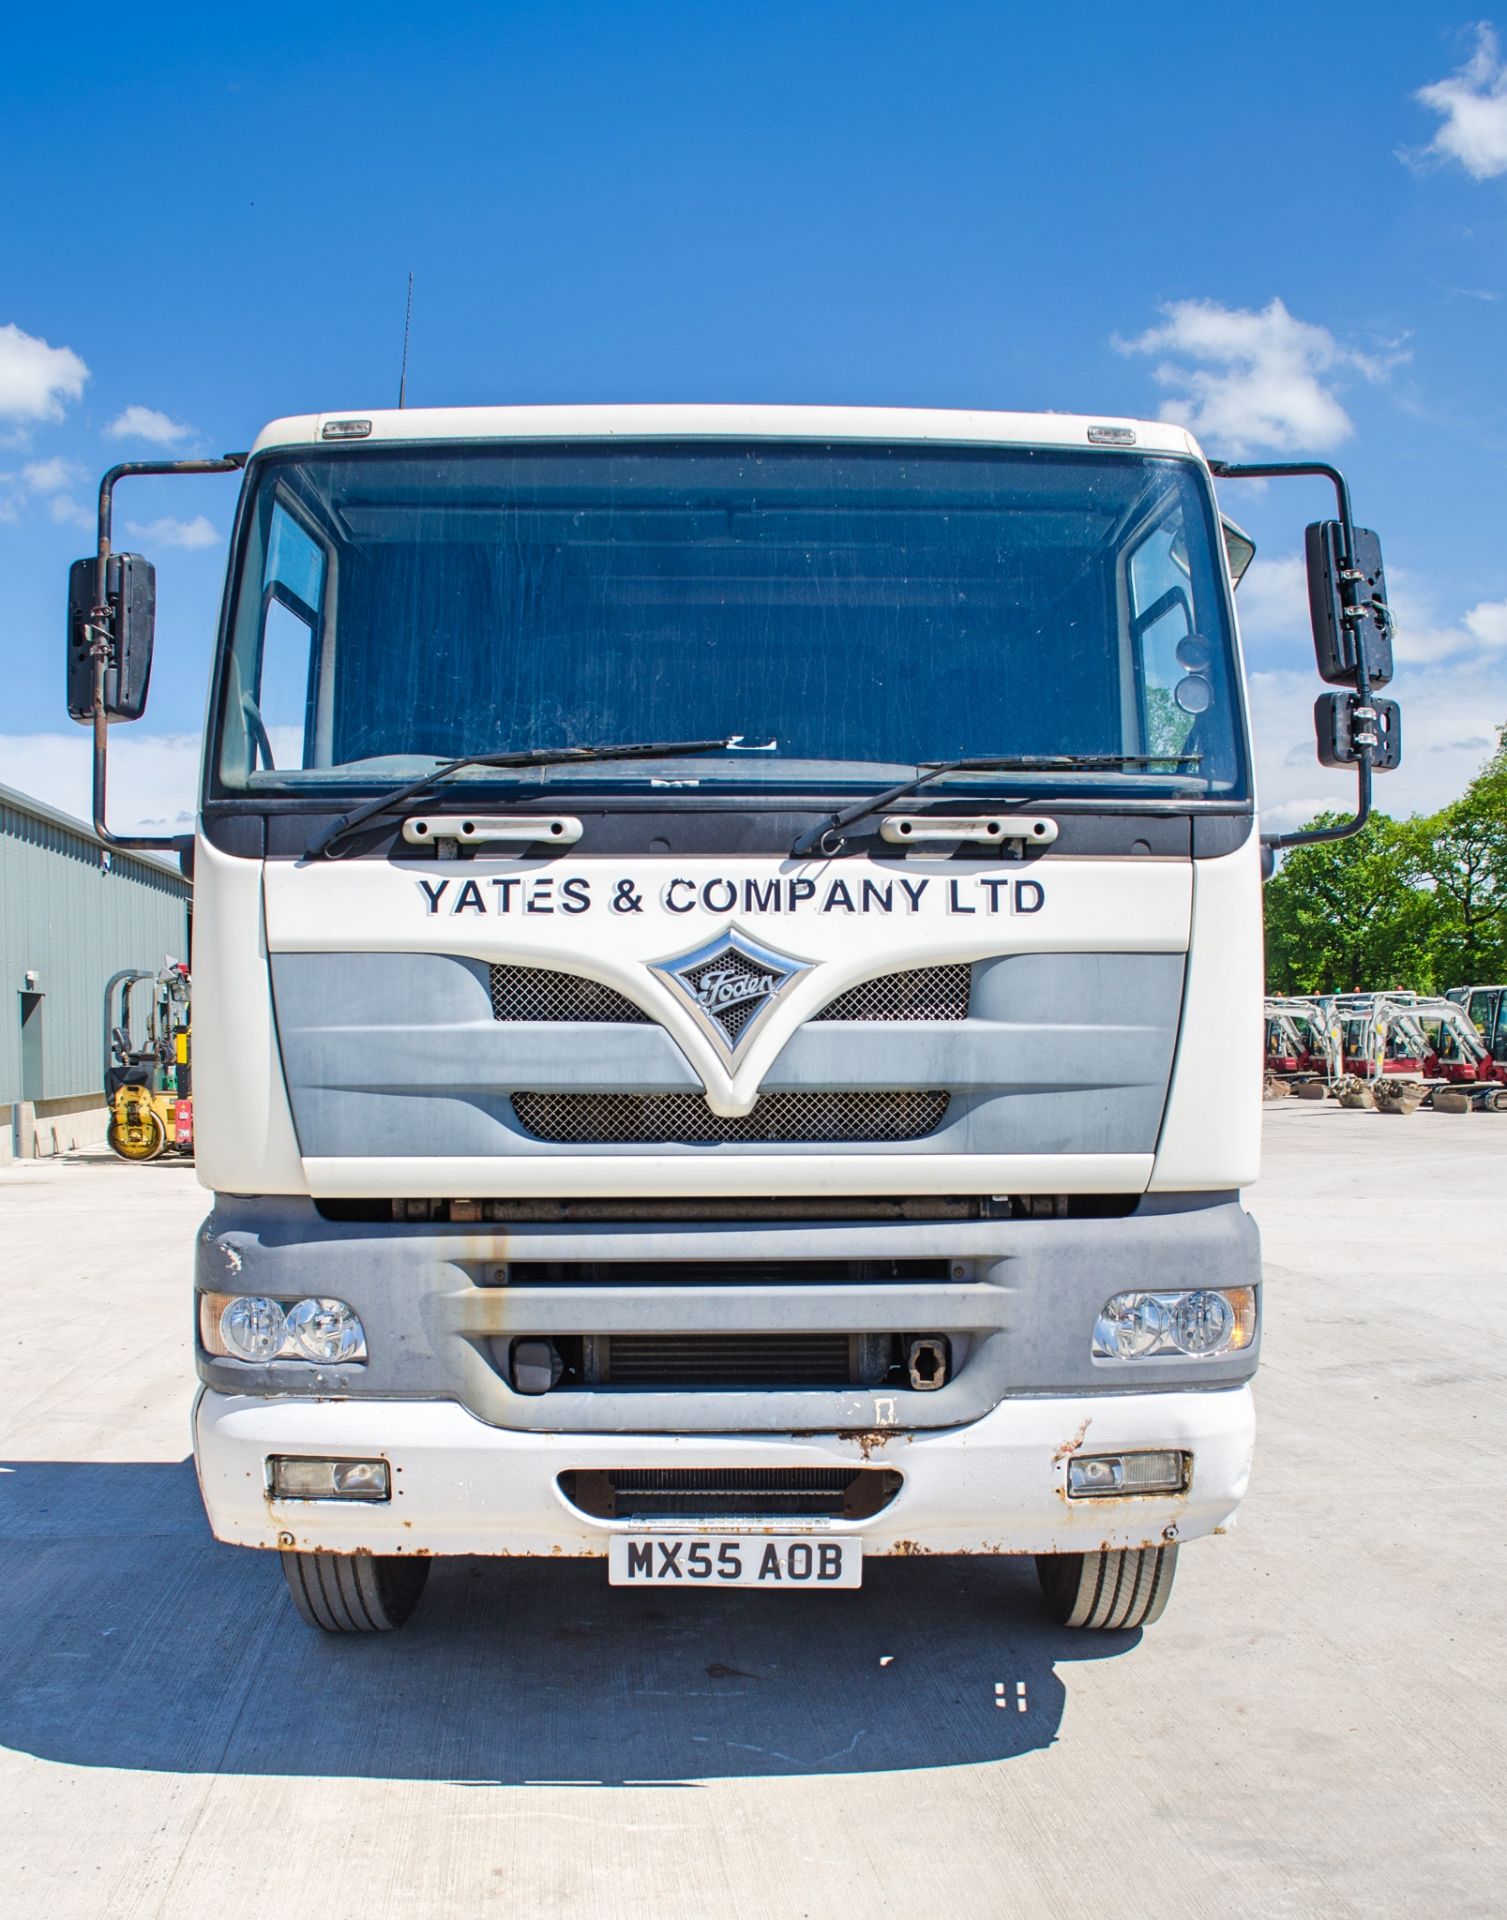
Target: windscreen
[843, 614]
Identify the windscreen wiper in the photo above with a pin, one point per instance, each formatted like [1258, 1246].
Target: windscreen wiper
[538, 757]
[827, 837]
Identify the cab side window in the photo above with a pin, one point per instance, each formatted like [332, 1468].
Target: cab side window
[281, 712]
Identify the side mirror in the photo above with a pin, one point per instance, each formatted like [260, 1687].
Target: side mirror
[1348, 604]
[132, 598]
[1343, 725]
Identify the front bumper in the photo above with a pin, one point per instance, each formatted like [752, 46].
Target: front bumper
[997, 1485]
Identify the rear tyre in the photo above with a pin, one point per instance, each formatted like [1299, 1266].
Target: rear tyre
[1124, 1589]
[354, 1593]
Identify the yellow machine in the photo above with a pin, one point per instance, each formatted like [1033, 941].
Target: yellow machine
[149, 1084]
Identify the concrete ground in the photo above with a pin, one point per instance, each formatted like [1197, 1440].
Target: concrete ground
[1316, 1727]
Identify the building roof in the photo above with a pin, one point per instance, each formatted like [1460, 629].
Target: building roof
[13, 800]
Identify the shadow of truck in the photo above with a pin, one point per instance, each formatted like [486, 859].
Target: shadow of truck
[129, 1638]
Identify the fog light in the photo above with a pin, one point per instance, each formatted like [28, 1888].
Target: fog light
[294, 1478]
[1112, 1473]
[1095, 1476]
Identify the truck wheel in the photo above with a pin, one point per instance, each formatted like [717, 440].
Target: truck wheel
[354, 1592]
[1123, 1589]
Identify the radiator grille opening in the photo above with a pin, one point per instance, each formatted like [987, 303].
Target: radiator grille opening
[925, 993]
[732, 1493]
[727, 1360]
[539, 993]
[659, 1361]
[536, 993]
[701, 1274]
[606, 1119]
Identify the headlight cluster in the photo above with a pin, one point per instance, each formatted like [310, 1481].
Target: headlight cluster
[249, 1326]
[1199, 1324]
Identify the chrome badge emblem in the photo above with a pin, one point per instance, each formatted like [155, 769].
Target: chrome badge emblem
[729, 986]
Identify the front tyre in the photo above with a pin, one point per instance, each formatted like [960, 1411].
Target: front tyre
[1124, 1589]
[354, 1593]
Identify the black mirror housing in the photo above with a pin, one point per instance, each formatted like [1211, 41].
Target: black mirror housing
[132, 596]
[1343, 726]
[1348, 605]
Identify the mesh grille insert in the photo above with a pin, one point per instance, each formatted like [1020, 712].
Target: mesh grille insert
[925, 993]
[536, 993]
[609, 1118]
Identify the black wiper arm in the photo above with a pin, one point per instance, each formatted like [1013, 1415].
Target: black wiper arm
[827, 837]
[538, 757]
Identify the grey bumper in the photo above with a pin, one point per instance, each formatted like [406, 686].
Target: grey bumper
[441, 1302]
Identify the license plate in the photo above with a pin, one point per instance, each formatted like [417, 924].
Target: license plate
[773, 1560]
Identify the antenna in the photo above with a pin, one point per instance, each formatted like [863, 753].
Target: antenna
[407, 320]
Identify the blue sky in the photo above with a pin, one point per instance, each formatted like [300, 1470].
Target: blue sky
[1250, 217]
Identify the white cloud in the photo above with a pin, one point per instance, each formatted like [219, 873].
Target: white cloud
[1273, 608]
[1488, 623]
[1473, 106]
[1450, 712]
[153, 777]
[146, 423]
[68, 513]
[1257, 378]
[36, 379]
[1448, 730]
[1423, 638]
[192, 534]
[1273, 601]
[48, 476]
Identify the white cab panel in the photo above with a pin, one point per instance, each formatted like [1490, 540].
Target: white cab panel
[1211, 1132]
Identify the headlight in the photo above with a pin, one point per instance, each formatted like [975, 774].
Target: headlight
[1199, 1324]
[252, 1327]
[326, 1330]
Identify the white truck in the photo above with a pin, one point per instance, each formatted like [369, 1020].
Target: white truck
[728, 991]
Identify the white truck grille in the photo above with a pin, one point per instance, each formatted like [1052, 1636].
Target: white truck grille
[538, 993]
[603, 1119]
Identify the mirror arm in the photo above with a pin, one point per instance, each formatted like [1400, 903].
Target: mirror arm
[1290, 469]
[102, 636]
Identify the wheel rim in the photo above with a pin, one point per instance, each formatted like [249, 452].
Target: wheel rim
[128, 1142]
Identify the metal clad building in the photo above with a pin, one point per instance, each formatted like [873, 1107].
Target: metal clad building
[72, 912]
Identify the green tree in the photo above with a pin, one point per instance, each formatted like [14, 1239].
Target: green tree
[1460, 855]
[1348, 915]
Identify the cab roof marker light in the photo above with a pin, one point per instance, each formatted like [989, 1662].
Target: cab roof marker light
[345, 429]
[1111, 436]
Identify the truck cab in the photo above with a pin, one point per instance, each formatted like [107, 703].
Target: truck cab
[727, 1001]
